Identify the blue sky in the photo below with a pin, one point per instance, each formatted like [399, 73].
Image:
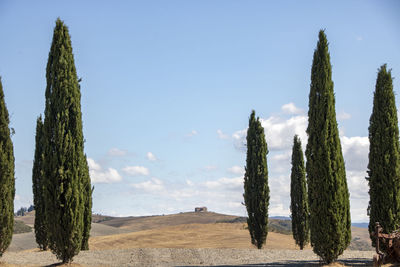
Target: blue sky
[168, 87]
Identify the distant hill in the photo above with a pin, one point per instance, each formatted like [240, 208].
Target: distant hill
[28, 218]
[361, 225]
[274, 225]
[284, 218]
[185, 230]
[186, 222]
[20, 227]
[135, 224]
[97, 218]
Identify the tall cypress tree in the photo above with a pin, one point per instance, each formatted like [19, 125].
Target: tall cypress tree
[65, 166]
[7, 180]
[384, 160]
[87, 217]
[298, 196]
[88, 191]
[38, 188]
[330, 223]
[256, 189]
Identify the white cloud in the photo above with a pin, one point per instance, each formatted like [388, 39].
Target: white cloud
[280, 162]
[279, 132]
[359, 38]
[358, 185]
[153, 185]
[93, 165]
[355, 152]
[359, 214]
[239, 139]
[98, 175]
[359, 197]
[150, 156]
[234, 204]
[136, 170]
[226, 183]
[116, 152]
[290, 108]
[236, 170]
[343, 116]
[286, 156]
[185, 193]
[221, 135]
[278, 210]
[279, 188]
[192, 133]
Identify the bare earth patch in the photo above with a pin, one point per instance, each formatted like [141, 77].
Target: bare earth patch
[189, 257]
[215, 235]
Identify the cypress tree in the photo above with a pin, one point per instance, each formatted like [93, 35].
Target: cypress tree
[38, 188]
[330, 223]
[87, 219]
[384, 163]
[256, 190]
[298, 196]
[7, 180]
[65, 166]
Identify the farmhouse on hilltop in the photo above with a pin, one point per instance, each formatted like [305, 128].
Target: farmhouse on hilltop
[200, 209]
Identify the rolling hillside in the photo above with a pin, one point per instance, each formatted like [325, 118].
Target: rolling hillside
[135, 224]
[183, 230]
[206, 235]
[202, 230]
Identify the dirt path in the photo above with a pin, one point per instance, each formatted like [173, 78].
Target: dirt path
[187, 257]
[22, 242]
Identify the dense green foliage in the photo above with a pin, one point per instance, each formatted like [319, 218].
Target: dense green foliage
[256, 190]
[384, 161]
[7, 180]
[22, 211]
[31, 208]
[330, 223]
[87, 217]
[65, 167]
[298, 196]
[37, 188]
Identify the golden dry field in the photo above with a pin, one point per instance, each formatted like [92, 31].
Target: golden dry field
[182, 230]
[213, 235]
[183, 239]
